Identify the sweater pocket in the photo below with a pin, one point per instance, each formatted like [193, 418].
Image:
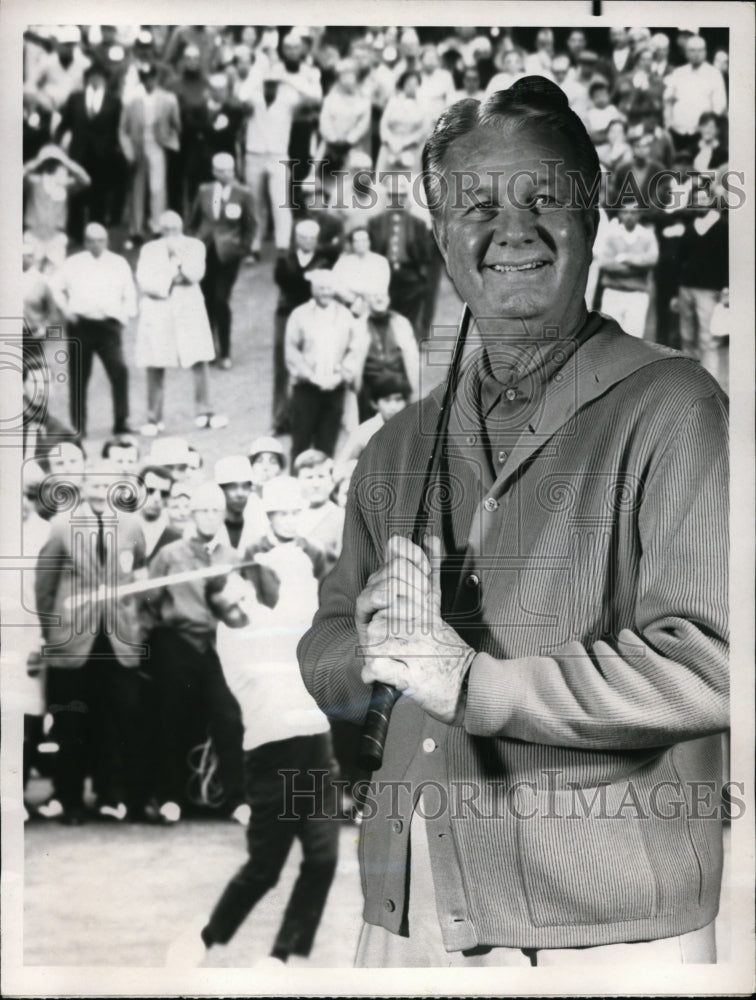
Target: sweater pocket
[583, 857]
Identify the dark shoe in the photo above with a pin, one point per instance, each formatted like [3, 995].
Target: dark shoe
[121, 429]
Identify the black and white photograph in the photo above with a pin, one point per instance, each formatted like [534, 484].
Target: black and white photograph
[378, 458]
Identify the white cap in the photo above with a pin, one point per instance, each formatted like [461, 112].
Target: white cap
[68, 34]
[307, 227]
[266, 443]
[170, 218]
[233, 469]
[282, 494]
[223, 161]
[170, 451]
[207, 495]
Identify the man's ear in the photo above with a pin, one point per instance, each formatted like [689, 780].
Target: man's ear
[591, 222]
[439, 234]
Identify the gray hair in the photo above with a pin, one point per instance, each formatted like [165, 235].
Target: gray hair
[531, 102]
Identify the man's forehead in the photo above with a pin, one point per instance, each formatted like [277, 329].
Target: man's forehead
[508, 148]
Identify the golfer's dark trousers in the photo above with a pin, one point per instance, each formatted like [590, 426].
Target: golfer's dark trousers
[288, 787]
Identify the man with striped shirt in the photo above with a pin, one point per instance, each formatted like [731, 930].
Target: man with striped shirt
[560, 643]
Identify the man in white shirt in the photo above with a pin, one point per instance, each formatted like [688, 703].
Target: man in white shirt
[325, 352]
[436, 84]
[94, 291]
[538, 63]
[692, 90]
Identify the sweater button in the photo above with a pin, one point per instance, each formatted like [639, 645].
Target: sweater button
[473, 581]
[389, 905]
[511, 395]
[491, 504]
[397, 826]
[429, 745]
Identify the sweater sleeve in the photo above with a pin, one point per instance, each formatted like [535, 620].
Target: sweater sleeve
[666, 680]
[327, 653]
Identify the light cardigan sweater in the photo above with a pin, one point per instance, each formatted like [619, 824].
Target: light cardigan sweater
[596, 594]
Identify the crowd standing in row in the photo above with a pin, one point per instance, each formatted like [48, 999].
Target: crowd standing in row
[189, 149]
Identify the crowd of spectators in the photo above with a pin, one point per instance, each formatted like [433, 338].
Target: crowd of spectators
[159, 160]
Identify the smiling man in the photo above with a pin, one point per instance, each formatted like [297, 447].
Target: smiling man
[560, 646]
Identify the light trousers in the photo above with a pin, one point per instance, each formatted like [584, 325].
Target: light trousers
[156, 391]
[268, 178]
[628, 308]
[150, 175]
[424, 948]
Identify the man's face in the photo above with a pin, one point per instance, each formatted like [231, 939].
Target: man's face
[179, 509]
[512, 247]
[125, 458]
[96, 81]
[360, 242]
[157, 491]
[378, 303]
[224, 175]
[348, 81]
[722, 61]
[559, 69]
[291, 52]
[513, 62]
[600, 98]
[68, 461]
[629, 218]
[237, 495]
[323, 294]
[618, 37]
[316, 484]
[96, 491]
[285, 524]
[695, 51]
[191, 61]
[208, 519]
[96, 244]
[306, 241]
[265, 467]
[389, 406]
[430, 60]
[708, 131]
[471, 81]
[28, 258]
[642, 148]
[576, 43]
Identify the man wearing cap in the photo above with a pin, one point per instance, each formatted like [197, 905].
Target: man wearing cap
[690, 91]
[560, 642]
[93, 647]
[60, 71]
[290, 274]
[91, 118]
[150, 126]
[156, 482]
[95, 293]
[173, 329]
[325, 352]
[244, 520]
[223, 218]
[183, 622]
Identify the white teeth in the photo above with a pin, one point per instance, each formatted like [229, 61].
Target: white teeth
[503, 268]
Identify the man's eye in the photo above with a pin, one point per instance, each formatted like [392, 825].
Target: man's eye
[545, 201]
[481, 208]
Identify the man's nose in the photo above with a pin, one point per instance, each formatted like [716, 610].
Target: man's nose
[514, 225]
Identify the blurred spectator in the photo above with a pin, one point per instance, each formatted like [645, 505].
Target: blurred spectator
[42, 432]
[38, 301]
[615, 152]
[321, 522]
[359, 270]
[244, 522]
[344, 120]
[470, 85]
[37, 125]
[538, 63]
[436, 84]
[182, 642]
[704, 272]
[721, 61]
[66, 459]
[691, 90]
[173, 329]
[222, 217]
[627, 256]
[290, 274]
[389, 394]
[330, 222]
[305, 78]
[50, 179]
[719, 327]
[599, 112]
[359, 199]
[648, 88]
[620, 58]
[225, 117]
[404, 127]
[578, 80]
[178, 507]
[637, 180]
[92, 684]
[191, 89]
[404, 240]
[156, 524]
[712, 151]
[202, 37]
[393, 351]
[60, 71]
[267, 459]
[325, 353]
[513, 70]
[660, 63]
[150, 126]
[576, 44]
[88, 127]
[94, 291]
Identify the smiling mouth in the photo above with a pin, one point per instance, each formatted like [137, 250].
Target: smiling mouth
[534, 265]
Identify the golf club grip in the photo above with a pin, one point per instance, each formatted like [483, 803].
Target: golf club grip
[376, 724]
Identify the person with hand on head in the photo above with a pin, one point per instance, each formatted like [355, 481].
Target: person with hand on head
[222, 217]
[535, 658]
[173, 329]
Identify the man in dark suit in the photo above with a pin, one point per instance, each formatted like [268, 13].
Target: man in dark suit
[404, 240]
[222, 218]
[91, 117]
[290, 274]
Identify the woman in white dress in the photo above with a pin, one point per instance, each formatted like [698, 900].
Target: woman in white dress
[359, 271]
[173, 329]
[405, 125]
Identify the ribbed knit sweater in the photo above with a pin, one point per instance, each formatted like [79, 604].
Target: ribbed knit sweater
[595, 591]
